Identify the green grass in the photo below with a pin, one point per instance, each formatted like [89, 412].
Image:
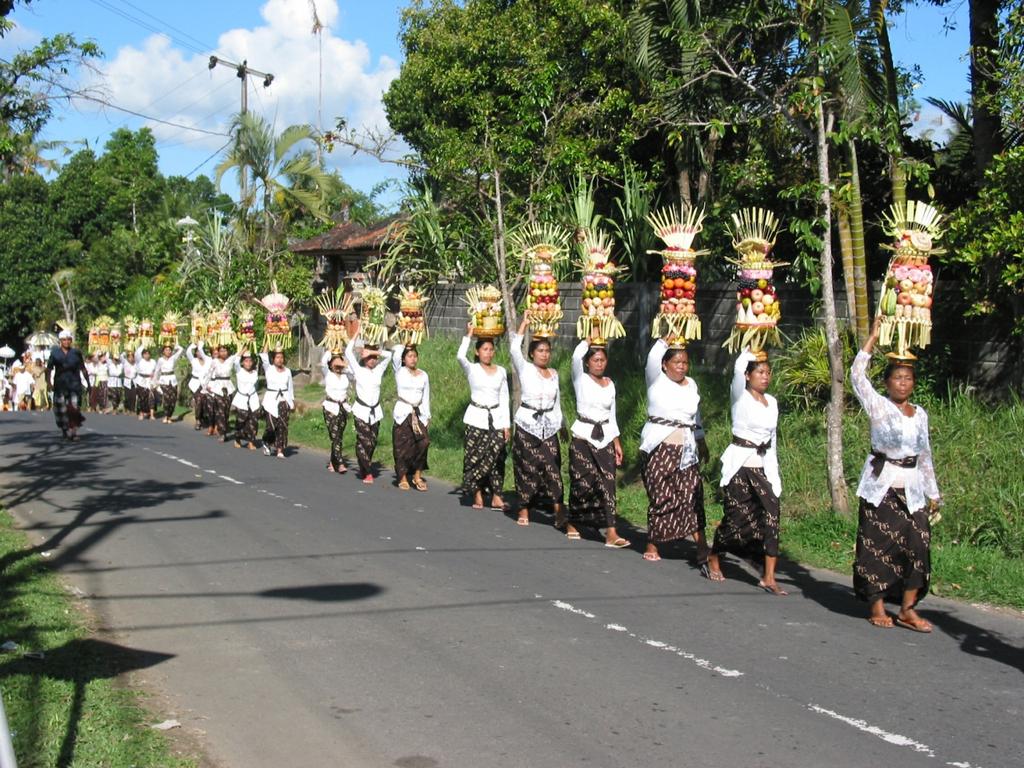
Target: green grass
[67, 709]
[978, 551]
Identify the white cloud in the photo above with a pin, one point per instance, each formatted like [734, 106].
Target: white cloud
[164, 81]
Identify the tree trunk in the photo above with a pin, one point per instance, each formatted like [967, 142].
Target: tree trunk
[985, 84]
[859, 320]
[846, 251]
[834, 411]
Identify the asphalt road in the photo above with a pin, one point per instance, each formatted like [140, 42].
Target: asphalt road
[311, 621]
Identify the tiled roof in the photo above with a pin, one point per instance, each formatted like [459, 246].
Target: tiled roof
[348, 237]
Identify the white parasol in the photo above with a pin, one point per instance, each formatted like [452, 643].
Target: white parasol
[41, 339]
[6, 352]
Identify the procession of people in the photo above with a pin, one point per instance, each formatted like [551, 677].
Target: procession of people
[897, 490]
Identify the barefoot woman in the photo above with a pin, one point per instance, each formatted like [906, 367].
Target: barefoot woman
[750, 474]
[536, 454]
[897, 488]
[487, 423]
[595, 451]
[673, 445]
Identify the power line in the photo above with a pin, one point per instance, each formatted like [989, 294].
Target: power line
[86, 97]
[185, 34]
[145, 25]
[209, 158]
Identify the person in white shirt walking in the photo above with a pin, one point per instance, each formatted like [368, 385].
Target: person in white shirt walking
[167, 379]
[246, 402]
[410, 435]
[219, 390]
[129, 375]
[335, 406]
[750, 475]
[278, 402]
[897, 492]
[115, 383]
[368, 372]
[536, 452]
[24, 385]
[673, 448]
[199, 371]
[145, 384]
[595, 450]
[487, 423]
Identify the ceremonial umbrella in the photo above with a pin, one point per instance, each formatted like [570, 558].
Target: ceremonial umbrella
[6, 352]
[41, 339]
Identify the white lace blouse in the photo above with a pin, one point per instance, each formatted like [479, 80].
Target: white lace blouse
[670, 401]
[146, 369]
[200, 368]
[218, 375]
[279, 386]
[897, 436]
[368, 381]
[165, 368]
[114, 371]
[412, 389]
[335, 386]
[593, 402]
[540, 412]
[489, 390]
[754, 422]
[246, 398]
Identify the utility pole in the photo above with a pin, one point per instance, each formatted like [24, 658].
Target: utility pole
[243, 71]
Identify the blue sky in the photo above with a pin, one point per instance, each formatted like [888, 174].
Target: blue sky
[166, 75]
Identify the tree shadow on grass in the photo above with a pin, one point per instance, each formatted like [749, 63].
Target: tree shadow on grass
[79, 662]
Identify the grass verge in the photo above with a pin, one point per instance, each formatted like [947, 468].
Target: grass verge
[67, 708]
[978, 547]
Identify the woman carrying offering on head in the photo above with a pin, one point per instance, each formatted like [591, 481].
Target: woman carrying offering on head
[595, 450]
[246, 402]
[199, 364]
[750, 474]
[487, 422]
[145, 384]
[673, 445]
[536, 453]
[410, 437]
[897, 491]
[219, 390]
[335, 406]
[167, 379]
[368, 372]
[278, 401]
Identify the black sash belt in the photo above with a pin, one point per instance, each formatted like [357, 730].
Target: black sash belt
[488, 408]
[367, 405]
[670, 423]
[538, 413]
[761, 449]
[597, 433]
[879, 460]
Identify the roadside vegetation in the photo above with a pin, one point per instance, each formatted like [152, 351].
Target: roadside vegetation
[65, 701]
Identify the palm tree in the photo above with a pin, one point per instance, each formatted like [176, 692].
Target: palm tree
[282, 176]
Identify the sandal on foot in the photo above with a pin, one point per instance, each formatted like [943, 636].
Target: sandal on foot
[915, 625]
[773, 589]
[522, 521]
[652, 557]
[368, 480]
[707, 573]
[882, 622]
[619, 543]
[573, 535]
[403, 485]
[419, 485]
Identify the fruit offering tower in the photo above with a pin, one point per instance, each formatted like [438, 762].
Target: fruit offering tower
[677, 312]
[145, 334]
[115, 340]
[335, 306]
[102, 326]
[485, 312]
[131, 333]
[169, 329]
[373, 315]
[246, 336]
[906, 301]
[541, 245]
[597, 314]
[277, 331]
[411, 326]
[220, 331]
[94, 339]
[757, 303]
[199, 327]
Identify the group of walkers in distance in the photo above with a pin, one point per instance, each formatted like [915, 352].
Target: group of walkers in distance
[897, 488]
